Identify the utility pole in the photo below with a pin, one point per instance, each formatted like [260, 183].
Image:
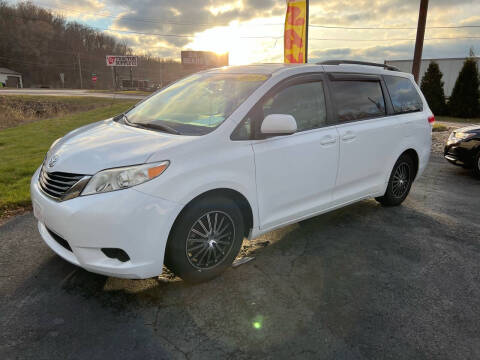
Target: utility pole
[113, 77]
[160, 73]
[131, 76]
[80, 71]
[307, 15]
[417, 57]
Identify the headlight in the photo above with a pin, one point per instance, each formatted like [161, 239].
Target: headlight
[124, 177]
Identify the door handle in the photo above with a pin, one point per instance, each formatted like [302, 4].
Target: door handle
[348, 136]
[328, 140]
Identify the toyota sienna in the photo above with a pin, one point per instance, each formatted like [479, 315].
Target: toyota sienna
[185, 175]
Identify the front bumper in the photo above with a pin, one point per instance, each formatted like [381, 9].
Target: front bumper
[137, 223]
[457, 154]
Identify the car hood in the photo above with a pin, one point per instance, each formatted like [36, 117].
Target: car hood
[108, 144]
[469, 129]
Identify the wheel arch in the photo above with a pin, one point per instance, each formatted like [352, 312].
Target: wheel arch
[412, 153]
[240, 200]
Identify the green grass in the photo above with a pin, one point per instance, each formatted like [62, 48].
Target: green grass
[457, 120]
[126, 92]
[23, 148]
[439, 127]
[71, 100]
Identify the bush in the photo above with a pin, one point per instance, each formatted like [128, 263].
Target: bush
[464, 101]
[439, 128]
[432, 88]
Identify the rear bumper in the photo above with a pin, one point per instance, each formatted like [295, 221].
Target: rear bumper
[137, 223]
[424, 158]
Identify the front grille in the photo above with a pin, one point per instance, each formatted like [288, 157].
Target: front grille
[57, 184]
[61, 241]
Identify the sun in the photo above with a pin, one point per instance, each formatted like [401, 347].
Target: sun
[239, 41]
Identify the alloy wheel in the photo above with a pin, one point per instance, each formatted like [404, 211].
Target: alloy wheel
[401, 180]
[210, 240]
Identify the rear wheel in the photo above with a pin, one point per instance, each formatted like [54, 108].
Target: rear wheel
[205, 239]
[476, 165]
[399, 183]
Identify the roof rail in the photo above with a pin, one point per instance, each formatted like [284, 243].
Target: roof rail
[353, 62]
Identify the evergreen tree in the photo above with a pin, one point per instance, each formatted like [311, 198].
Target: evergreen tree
[465, 99]
[432, 88]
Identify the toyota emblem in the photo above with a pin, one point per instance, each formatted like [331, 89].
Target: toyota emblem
[53, 161]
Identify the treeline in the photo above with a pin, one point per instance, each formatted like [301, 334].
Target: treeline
[41, 45]
[465, 99]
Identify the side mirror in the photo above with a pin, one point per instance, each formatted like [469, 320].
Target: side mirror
[278, 124]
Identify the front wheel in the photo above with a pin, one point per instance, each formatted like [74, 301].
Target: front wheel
[205, 239]
[476, 165]
[399, 183]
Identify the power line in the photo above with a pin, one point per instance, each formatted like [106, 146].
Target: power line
[393, 39]
[394, 28]
[150, 20]
[280, 37]
[276, 38]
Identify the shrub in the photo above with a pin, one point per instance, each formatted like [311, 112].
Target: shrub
[464, 101]
[432, 88]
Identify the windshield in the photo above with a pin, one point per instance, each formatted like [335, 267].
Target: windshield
[195, 105]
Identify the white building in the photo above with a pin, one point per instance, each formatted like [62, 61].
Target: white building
[450, 69]
[10, 78]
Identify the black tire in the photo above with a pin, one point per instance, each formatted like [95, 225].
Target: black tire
[399, 183]
[476, 165]
[182, 255]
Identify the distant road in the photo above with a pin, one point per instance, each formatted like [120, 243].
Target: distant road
[65, 92]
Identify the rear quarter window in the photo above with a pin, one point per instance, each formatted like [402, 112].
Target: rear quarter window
[356, 100]
[403, 94]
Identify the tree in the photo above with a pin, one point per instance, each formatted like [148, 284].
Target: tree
[432, 88]
[41, 45]
[464, 101]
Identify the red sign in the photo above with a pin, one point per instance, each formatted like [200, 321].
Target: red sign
[123, 60]
[94, 78]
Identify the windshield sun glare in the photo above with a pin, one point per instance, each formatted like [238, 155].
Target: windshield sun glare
[197, 104]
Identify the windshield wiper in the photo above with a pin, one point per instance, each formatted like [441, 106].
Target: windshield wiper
[161, 127]
[152, 126]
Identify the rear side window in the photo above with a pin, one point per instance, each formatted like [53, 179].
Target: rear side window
[404, 96]
[356, 100]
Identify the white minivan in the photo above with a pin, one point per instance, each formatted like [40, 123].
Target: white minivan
[186, 174]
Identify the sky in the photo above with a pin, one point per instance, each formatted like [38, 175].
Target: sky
[252, 30]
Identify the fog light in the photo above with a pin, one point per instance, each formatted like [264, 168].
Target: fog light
[114, 253]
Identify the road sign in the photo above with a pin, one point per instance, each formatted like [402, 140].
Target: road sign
[94, 77]
[114, 60]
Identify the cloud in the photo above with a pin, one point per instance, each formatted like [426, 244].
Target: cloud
[79, 9]
[196, 18]
[187, 18]
[398, 51]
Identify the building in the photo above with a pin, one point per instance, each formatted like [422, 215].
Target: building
[10, 78]
[203, 59]
[449, 67]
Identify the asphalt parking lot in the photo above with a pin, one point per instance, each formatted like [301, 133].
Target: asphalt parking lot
[362, 282]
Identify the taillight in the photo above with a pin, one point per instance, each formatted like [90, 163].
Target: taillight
[431, 119]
